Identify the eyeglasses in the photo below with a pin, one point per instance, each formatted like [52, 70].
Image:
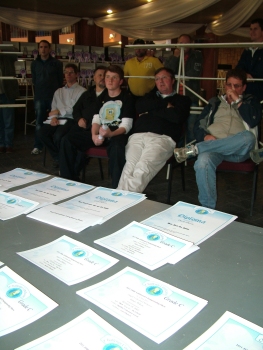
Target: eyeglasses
[236, 86]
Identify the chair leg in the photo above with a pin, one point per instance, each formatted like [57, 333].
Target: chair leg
[254, 190]
[182, 175]
[169, 176]
[44, 156]
[101, 170]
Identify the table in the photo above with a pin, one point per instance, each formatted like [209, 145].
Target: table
[226, 271]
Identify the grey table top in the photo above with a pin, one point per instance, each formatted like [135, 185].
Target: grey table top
[226, 271]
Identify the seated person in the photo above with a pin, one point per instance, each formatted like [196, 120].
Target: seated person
[162, 114]
[225, 130]
[61, 109]
[114, 137]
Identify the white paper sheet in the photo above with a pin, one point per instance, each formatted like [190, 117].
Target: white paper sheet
[20, 302]
[60, 121]
[68, 219]
[146, 246]
[190, 222]
[104, 202]
[18, 177]
[228, 333]
[152, 307]
[53, 190]
[12, 206]
[69, 260]
[88, 331]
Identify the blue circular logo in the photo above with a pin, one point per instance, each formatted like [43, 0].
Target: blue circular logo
[201, 211]
[117, 194]
[70, 184]
[79, 253]
[14, 293]
[28, 173]
[153, 237]
[112, 347]
[11, 201]
[154, 290]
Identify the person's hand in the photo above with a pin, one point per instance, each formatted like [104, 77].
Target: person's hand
[105, 132]
[82, 123]
[169, 105]
[209, 138]
[177, 52]
[232, 95]
[54, 121]
[54, 112]
[97, 141]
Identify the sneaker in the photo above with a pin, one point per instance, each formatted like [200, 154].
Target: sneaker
[257, 155]
[181, 154]
[36, 151]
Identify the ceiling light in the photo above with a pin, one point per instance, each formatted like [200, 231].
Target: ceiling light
[120, 42]
[149, 0]
[109, 11]
[112, 35]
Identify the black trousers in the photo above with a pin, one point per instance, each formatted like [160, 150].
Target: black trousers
[79, 139]
[51, 136]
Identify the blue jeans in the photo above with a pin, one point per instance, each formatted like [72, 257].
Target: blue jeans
[7, 122]
[210, 154]
[42, 107]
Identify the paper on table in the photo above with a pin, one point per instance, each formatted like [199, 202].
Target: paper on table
[65, 218]
[146, 246]
[69, 260]
[230, 332]
[12, 206]
[152, 307]
[104, 202]
[190, 222]
[53, 190]
[87, 331]
[20, 302]
[18, 177]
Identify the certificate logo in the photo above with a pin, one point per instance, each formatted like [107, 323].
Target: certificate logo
[28, 173]
[153, 237]
[116, 194]
[11, 201]
[112, 347]
[79, 253]
[17, 291]
[70, 184]
[201, 211]
[154, 290]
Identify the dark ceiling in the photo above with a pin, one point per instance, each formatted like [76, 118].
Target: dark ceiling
[98, 8]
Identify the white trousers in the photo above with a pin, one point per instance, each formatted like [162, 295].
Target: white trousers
[146, 154]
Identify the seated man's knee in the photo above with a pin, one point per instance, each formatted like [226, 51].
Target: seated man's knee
[202, 160]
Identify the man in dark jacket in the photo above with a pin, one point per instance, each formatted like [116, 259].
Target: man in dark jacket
[162, 114]
[47, 77]
[225, 130]
[8, 93]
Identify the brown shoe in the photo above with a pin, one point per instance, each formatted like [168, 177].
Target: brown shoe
[9, 150]
[2, 149]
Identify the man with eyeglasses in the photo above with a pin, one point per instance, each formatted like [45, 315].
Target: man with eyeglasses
[251, 60]
[60, 118]
[225, 130]
[162, 114]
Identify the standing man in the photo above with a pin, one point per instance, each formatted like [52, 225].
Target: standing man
[115, 137]
[61, 115]
[193, 61]
[141, 65]
[47, 77]
[225, 130]
[162, 114]
[251, 60]
[9, 91]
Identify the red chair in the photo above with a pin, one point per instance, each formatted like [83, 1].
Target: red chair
[95, 152]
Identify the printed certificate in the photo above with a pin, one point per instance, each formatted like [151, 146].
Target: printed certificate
[146, 246]
[69, 260]
[12, 206]
[152, 307]
[230, 332]
[190, 222]
[88, 331]
[18, 177]
[53, 190]
[20, 302]
[104, 202]
[68, 219]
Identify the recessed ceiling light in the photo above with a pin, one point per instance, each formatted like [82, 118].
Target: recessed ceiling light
[149, 0]
[109, 11]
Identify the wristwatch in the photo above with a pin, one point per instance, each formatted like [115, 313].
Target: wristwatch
[238, 101]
